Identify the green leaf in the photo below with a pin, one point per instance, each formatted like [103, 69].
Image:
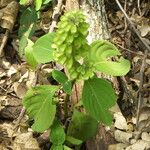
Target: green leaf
[56, 147]
[38, 4]
[46, 1]
[73, 140]
[23, 2]
[100, 55]
[38, 102]
[42, 49]
[57, 134]
[82, 126]
[22, 44]
[98, 96]
[67, 148]
[62, 78]
[28, 17]
[29, 55]
[27, 28]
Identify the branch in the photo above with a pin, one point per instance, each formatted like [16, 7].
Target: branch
[133, 27]
[140, 99]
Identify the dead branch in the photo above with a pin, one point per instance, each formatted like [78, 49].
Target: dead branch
[133, 27]
[140, 99]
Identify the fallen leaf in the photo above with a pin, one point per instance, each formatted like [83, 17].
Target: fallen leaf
[144, 29]
[25, 141]
[123, 137]
[139, 145]
[119, 146]
[20, 89]
[120, 121]
[9, 15]
[145, 136]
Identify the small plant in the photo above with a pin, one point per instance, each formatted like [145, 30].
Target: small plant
[69, 47]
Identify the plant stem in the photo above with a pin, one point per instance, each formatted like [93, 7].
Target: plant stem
[66, 106]
[66, 102]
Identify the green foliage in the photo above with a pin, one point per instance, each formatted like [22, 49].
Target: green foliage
[73, 140]
[70, 48]
[46, 1]
[30, 59]
[57, 147]
[57, 134]
[71, 45]
[98, 96]
[22, 44]
[82, 126]
[81, 59]
[99, 57]
[23, 2]
[67, 148]
[38, 102]
[63, 79]
[27, 28]
[42, 50]
[28, 17]
[38, 3]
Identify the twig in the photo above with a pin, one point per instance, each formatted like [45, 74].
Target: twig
[125, 20]
[55, 16]
[127, 90]
[67, 99]
[76, 92]
[131, 51]
[138, 3]
[4, 40]
[23, 110]
[8, 92]
[133, 27]
[140, 99]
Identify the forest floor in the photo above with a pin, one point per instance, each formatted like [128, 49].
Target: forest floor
[131, 126]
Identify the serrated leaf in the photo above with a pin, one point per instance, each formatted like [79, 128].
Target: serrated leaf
[29, 55]
[98, 96]
[57, 134]
[99, 54]
[62, 78]
[73, 140]
[38, 4]
[82, 126]
[57, 147]
[42, 49]
[38, 102]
